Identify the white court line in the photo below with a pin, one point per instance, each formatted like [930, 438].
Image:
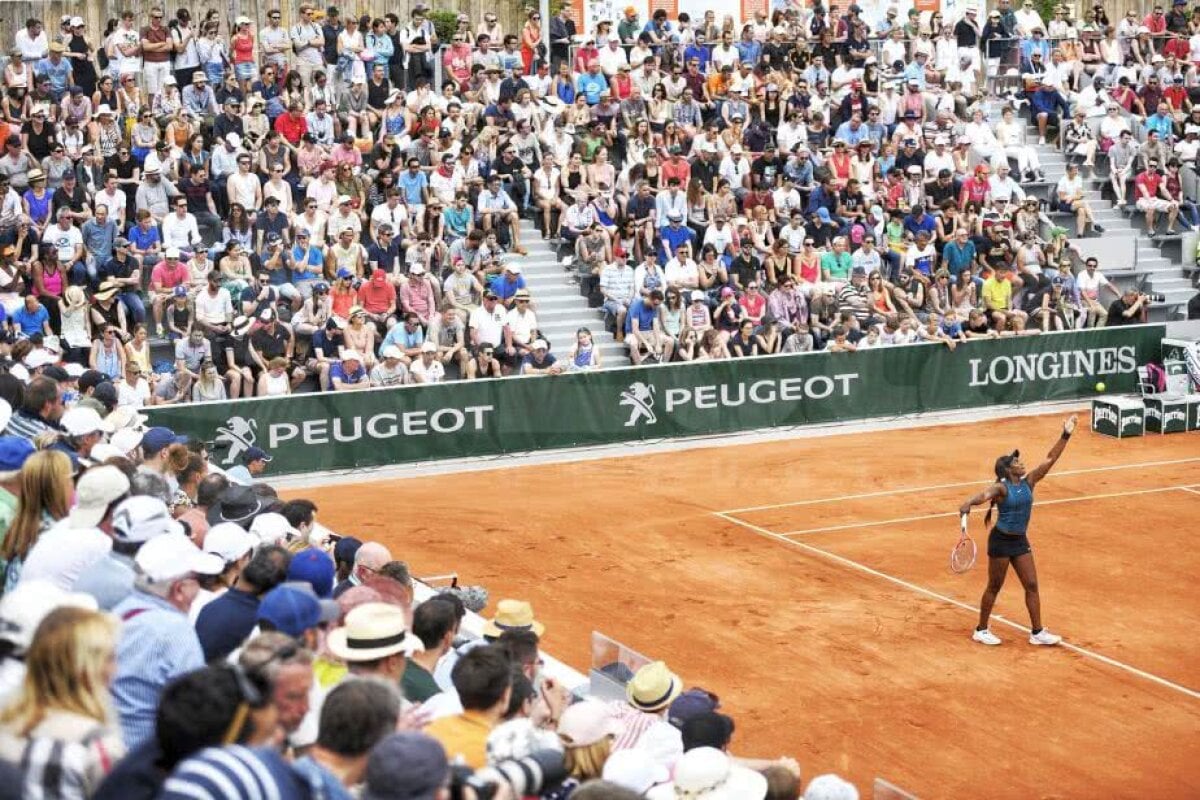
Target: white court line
[1190, 489]
[958, 485]
[851, 525]
[921, 590]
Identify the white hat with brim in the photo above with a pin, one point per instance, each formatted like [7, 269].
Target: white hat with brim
[95, 492]
[126, 440]
[586, 723]
[653, 687]
[706, 773]
[81, 421]
[172, 556]
[229, 540]
[373, 631]
[512, 615]
[635, 770]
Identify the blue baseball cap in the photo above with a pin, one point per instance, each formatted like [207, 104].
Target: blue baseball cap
[255, 454]
[346, 548]
[181, 291]
[157, 438]
[345, 273]
[13, 452]
[823, 214]
[294, 607]
[314, 567]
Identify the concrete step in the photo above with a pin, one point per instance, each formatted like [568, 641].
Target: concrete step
[1170, 284]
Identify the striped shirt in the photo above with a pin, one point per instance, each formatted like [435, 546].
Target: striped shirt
[617, 282]
[27, 426]
[157, 644]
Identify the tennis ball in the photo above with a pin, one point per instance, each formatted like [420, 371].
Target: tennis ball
[1100, 386]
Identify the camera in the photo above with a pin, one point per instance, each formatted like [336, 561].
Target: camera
[532, 775]
[1154, 297]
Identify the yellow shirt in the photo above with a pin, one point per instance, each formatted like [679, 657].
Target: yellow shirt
[997, 294]
[463, 736]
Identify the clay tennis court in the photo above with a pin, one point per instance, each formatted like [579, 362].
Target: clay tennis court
[806, 583]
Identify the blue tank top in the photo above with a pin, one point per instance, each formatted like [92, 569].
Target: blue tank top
[1015, 507]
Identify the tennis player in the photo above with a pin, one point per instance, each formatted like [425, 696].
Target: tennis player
[1012, 496]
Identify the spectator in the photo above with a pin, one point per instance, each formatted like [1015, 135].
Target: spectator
[157, 642]
[483, 680]
[59, 726]
[368, 559]
[435, 623]
[225, 622]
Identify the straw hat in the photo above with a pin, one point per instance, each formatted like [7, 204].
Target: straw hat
[373, 631]
[653, 687]
[107, 290]
[512, 615]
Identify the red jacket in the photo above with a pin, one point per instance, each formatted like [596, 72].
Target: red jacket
[291, 128]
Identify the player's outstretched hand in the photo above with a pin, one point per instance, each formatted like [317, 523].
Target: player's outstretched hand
[1069, 425]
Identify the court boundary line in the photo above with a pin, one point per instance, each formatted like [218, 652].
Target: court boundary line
[931, 594]
[955, 485]
[1108, 495]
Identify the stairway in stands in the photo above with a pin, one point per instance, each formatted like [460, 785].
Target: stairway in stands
[1126, 254]
[561, 309]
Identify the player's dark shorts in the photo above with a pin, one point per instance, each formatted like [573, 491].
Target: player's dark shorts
[1007, 545]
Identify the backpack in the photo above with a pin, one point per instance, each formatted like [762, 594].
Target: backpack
[1156, 376]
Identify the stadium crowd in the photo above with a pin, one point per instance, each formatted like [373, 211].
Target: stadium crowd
[286, 205]
[307, 206]
[172, 630]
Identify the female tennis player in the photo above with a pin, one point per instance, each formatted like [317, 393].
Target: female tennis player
[1012, 495]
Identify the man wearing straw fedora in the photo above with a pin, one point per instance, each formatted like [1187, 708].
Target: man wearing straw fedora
[649, 695]
[512, 615]
[374, 641]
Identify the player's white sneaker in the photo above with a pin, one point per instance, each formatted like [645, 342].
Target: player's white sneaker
[986, 637]
[1044, 637]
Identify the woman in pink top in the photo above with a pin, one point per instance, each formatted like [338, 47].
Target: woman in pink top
[242, 48]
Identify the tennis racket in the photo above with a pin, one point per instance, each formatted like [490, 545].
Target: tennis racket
[962, 555]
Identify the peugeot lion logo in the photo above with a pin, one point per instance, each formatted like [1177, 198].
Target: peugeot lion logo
[240, 435]
[640, 399]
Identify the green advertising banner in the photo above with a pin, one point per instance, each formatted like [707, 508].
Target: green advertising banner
[310, 432]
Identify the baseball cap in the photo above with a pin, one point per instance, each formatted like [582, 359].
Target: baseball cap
[428, 347]
[80, 421]
[13, 452]
[96, 490]
[255, 454]
[314, 567]
[158, 437]
[539, 344]
[271, 528]
[126, 440]
[140, 518]
[586, 723]
[346, 548]
[174, 555]
[406, 764]
[229, 541]
[391, 351]
[291, 609]
[691, 703]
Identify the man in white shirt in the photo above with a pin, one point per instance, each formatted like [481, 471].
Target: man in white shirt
[1090, 283]
[427, 368]
[32, 41]
[488, 322]
[497, 210]
[214, 307]
[612, 57]
[179, 229]
[521, 324]
[681, 271]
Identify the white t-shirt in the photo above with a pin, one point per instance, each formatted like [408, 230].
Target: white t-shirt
[489, 324]
[1089, 285]
[62, 553]
[521, 325]
[433, 372]
[63, 241]
[214, 310]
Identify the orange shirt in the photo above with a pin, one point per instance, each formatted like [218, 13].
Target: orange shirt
[464, 735]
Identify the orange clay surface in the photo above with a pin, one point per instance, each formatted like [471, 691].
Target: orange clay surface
[843, 669]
